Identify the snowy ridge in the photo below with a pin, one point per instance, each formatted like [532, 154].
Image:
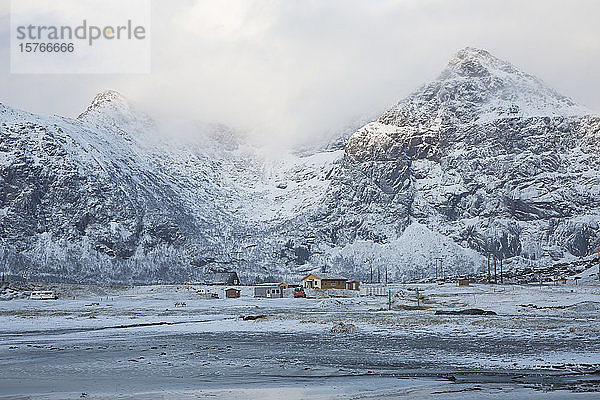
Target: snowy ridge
[484, 160]
[495, 159]
[111, 109]
[479, 87]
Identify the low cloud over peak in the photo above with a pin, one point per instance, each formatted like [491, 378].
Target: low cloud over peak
[292, 73]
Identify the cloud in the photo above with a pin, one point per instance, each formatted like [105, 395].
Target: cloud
[295, 71]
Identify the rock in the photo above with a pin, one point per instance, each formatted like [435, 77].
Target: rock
[468, 311]
[340, 327]
[252, 317]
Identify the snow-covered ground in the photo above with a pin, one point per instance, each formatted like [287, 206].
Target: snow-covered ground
[140, 342]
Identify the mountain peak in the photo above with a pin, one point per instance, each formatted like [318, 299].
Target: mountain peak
[107, 100]
[477, 87]
[108, 96]
[473, 53]
[471, 61]
[111, 108]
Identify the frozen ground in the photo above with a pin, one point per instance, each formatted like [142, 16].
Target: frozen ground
[109, 343]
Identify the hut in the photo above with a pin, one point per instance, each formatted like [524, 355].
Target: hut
[268, 290]
[232, 293]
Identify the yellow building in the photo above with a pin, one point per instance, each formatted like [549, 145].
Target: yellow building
[327, 281]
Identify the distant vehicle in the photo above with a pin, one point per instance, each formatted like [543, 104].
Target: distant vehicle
[206, 293]
[42, 295]
[299, 292]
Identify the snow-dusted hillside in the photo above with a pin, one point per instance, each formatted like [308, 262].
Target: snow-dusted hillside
[485, 159]
[485, 155]
[106, 197]
[101, 197]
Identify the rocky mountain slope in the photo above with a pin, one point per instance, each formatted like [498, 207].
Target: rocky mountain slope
[100, 197]
[486, 156]
[484, 160]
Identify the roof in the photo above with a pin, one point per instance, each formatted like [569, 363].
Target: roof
[326, 276]
[227, 278]
[225, 274]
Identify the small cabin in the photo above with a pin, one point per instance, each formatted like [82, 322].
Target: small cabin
[464, 282]
[232, 293]
[268, 290]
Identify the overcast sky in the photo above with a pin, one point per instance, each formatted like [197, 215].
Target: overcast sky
[296, 70]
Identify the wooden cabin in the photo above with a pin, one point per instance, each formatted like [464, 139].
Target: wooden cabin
[232, 293]
[324, 281]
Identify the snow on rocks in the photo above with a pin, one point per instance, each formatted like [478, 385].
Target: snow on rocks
[485, 160]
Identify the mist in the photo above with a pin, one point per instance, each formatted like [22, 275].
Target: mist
[298, 72]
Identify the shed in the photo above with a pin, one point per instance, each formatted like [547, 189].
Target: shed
[268, 290]
[232, 293]
[464, 282]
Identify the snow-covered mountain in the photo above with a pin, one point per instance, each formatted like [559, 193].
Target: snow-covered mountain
[485, 159]
[486, 156]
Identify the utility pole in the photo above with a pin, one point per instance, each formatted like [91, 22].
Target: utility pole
[501, 272]
[371, 266]
[438, 268]
[386, 276]
[495, 270]
[489, 270]
[378, 275]
[389, 300]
